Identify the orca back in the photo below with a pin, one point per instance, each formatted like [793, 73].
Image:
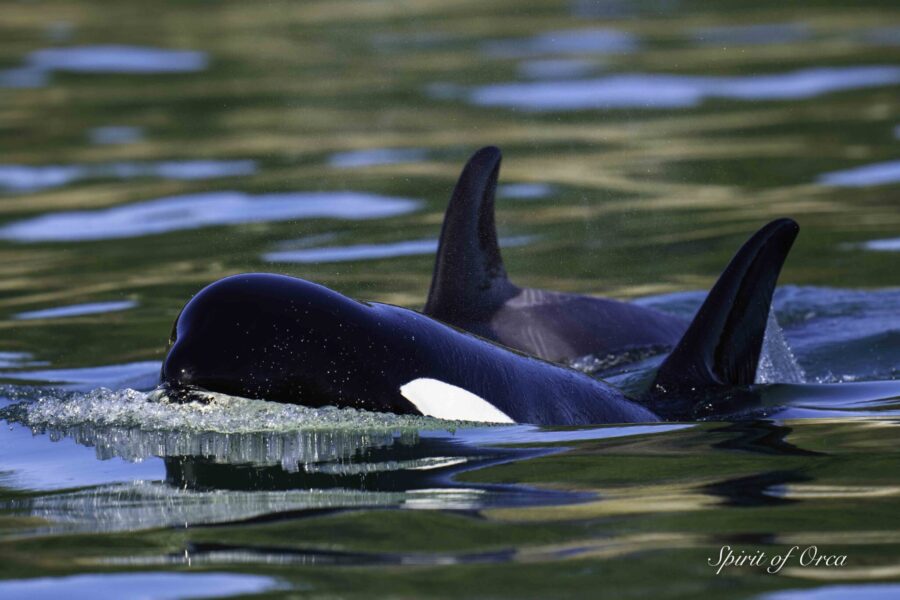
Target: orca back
[470, 288]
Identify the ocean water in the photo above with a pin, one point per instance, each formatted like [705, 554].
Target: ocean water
[147, 154]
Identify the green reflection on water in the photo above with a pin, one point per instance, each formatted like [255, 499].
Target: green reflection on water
[665, 503]
[644, 201]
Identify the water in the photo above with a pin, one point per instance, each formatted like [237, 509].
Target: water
[146, 155]
[655, 90]
[201, 210]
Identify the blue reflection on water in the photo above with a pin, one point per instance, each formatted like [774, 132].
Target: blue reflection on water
[369, 251]
[761, 33]
[37, 462]
[884, 36]
[530, 434]
[193, 211]
[376, 156]
[102, 59]
[835, 334]
[573, 41]
[134, 586]
[524, 191]
[118, 59]
[143, 375]
[647, 90]
[870, 591]
[888, 245]
[110, 135]
[74, 310]
[557, 68]
[27, 178]
[18, 360]
[881, 173]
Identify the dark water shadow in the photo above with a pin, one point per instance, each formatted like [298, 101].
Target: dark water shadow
[752, 491]
[761, 437]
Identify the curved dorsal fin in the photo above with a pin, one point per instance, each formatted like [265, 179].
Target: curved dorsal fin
[469, 280]
[723, 343]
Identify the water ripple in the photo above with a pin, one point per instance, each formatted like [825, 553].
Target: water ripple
[75, 310]
[370, 251]
[102, 59]
[650, 90]
[193, 211]
[882, 173]
[27, 178]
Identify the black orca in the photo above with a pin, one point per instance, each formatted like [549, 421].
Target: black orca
[280, 338]
[288, 340]
[470, 288]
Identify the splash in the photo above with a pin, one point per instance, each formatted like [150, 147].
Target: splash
[593, 364]
[135, 425]
[777, 363]
[54, 409]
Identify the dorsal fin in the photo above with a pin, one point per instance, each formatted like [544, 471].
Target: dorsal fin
[721, 346]
[469, 280]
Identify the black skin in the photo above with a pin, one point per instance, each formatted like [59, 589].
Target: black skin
[288, 340]
[470, 288]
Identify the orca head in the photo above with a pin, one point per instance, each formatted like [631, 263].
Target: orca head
[279, 338]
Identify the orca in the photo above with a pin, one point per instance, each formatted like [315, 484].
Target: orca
[470, 289]
[284, 339]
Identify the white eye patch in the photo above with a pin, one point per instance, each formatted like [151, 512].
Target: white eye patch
[442, 400]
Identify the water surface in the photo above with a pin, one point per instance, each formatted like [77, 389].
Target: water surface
[147, 153]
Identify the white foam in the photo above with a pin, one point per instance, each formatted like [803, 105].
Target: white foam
[777, 363]
[434, 398]
[219, 414]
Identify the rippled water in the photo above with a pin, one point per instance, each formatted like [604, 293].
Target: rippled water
[146, 154]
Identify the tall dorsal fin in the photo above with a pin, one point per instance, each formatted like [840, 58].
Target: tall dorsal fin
[469, 280]
[722, 344]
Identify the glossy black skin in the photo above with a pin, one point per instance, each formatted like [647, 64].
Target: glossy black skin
[470, 288]
[288, 340]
